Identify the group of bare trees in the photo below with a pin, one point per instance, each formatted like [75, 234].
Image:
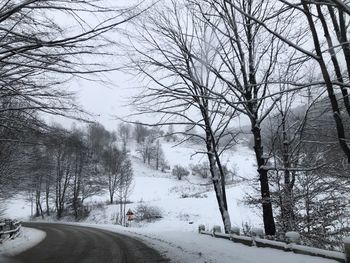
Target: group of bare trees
[62, 168]
[114, 163]
[149, 146]
[44, 44]
[309, 174]
[211, 63]
[207, 64]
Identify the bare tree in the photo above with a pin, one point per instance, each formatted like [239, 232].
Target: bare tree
[159, 156]
[170, 134]
[178, 90]
[125, 186]
[324, 22]
[38, 53]
[147, 149]
[124, 132]
[179, 172]
[140, 132]
[326, 73]
[112, 161]
[44, 45]
[248, 59]
[80, 154]
[284, 139]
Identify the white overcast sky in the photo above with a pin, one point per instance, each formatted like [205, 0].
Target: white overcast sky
[104, 101]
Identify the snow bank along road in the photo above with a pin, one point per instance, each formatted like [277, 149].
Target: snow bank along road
[69, 243]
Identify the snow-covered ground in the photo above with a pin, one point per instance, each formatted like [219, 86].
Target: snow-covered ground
[167, 193]
[27, 238]
[185, 204]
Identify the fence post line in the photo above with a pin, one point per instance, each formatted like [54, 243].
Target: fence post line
[9, 228]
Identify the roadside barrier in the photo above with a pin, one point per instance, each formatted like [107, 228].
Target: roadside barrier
[258, 241]
[9, 229]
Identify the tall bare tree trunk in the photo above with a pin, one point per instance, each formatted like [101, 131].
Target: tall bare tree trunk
[218, 182]
[269, 222]
[329, 85]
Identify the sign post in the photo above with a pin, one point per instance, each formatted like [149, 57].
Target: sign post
[130, 215]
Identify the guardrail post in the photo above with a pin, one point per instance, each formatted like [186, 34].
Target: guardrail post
[201, 228]
[347, 249]
[216, 229]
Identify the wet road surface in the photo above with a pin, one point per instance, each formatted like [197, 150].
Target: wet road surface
[77, 244]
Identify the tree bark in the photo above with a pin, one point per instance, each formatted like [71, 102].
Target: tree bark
[218, 187]
[269, 222]
[330, 90]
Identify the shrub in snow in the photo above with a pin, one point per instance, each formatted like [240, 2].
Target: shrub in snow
[180, 172]
[201, 169]
[165, 167]
[148, 213]
[201, 228]
[216, 229]
[246, 227]
[257, 232]
[235, 230]
[293, 237]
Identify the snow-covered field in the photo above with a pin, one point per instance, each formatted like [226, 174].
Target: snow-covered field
[166, 192]
[176, 233]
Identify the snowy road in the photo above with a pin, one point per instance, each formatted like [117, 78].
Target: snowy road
[68, 244]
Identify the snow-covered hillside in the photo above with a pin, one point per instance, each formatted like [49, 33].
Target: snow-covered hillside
[188, 202]
[184, 204]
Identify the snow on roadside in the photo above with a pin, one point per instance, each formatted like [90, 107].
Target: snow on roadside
[28, 237]
[191, 247]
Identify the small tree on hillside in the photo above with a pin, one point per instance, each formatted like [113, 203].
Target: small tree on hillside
[170, 135]
[140, 132]
[201, 169]
[125, 186]
[180, 172]
[147, 150]
[124, 133]
[112, 160]
[159, 157]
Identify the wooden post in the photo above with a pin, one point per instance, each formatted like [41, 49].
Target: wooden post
[347, 249]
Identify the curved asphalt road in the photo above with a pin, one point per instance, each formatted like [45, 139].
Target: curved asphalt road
[76, 244]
